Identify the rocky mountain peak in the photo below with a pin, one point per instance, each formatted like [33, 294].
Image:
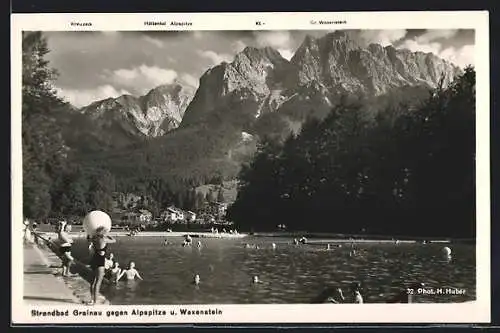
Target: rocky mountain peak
[252, 75]
[151, 115]
[343, 65]
[256, 55]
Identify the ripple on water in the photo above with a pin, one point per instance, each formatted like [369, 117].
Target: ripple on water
[290, 274]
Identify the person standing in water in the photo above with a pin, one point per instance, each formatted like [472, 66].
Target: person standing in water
[187, 240]
[65, 243]
[109, 262]
[99, 242]
[115, 272]
[131, 273]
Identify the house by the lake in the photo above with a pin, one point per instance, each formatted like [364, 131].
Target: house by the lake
[218, 209]
[145, 216]
[172, 214]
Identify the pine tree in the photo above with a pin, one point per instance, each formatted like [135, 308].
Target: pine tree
[44, 151]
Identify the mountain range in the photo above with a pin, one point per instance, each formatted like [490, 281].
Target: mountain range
[215, 128]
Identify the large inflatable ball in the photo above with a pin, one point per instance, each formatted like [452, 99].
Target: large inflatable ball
[446, 251]
[94, 220]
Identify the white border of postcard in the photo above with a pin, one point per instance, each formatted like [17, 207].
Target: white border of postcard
[469, 312]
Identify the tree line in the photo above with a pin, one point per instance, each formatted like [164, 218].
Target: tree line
[58, 180]
[398, 171]
[383, 169]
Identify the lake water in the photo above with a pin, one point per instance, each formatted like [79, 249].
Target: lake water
[288, 274]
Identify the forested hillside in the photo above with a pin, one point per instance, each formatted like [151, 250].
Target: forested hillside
[398, 162]
[398, 171]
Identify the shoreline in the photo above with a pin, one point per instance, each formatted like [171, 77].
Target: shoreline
[318, 239]
[159, 234]
[313, 237]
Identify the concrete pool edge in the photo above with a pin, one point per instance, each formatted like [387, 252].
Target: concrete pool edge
[76, 284]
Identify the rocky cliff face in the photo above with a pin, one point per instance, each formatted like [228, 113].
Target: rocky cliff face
[261, 81]
[258, 94]
[341, 64]
[151, 115]
[251, 78]
[321, 70]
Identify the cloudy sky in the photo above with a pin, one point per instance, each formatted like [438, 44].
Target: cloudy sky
[98, 65]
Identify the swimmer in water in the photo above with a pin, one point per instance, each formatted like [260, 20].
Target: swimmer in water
[115, 272]
[196, 279]
[273, 245]
[109, 262]
[131, 273]
[355, 293]
[330, 295]
[199, 245]
[187, 241]
[255, 279]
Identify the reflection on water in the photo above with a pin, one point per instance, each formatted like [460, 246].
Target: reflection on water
[287, 274]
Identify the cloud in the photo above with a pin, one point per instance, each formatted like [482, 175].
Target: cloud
[461, 57]
[190, 80]
[275, 39]
[382, 37]
[155, 41]
[414, 46]
[84, 97]
[238, 46]
[286, 53]
[141, 78]
[432, 35]
[214, 57]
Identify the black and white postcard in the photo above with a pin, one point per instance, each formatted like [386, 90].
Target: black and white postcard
[250, 168]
